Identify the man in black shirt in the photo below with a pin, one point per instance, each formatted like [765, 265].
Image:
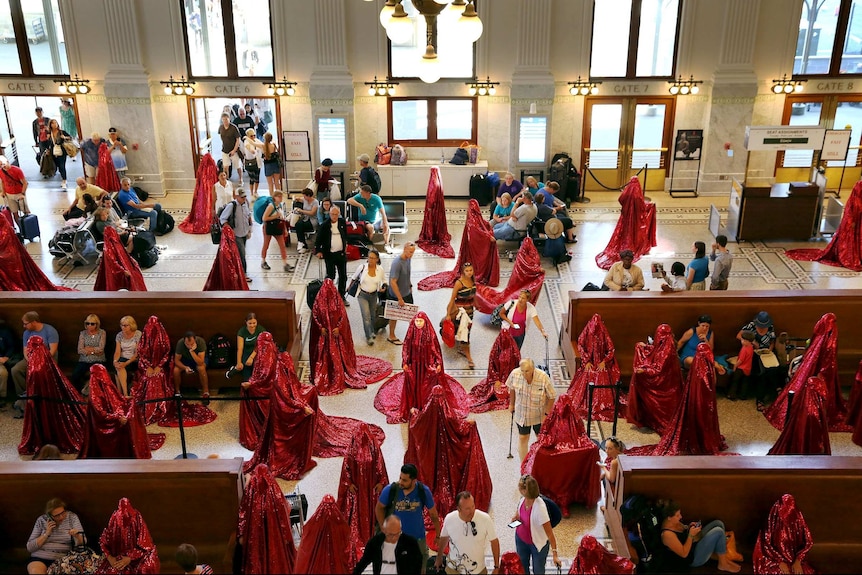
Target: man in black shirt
[391, 546]
[230, 139]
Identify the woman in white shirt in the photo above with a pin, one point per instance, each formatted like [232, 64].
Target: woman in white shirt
[252, 151]
[372, 279]
[676, 281]
[534, 536]
[222, 192]
[126, 352]
[517, 314]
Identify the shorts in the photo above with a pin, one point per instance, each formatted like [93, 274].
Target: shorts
[525, 429]
[189, 363]
[17, 203]
[90, 171]
[407, 298]
[228, 160]
[46, 562]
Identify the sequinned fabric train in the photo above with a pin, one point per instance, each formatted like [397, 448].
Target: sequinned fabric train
[656, 383]
[636, 228]
[435, 237]
[598, 364]
[563, 458]
[325, 538]
[115, 427]
[785, 539]
[820, 359]
[845, 247]
[510, 564]
[447, 451]
[60, 419]
[478, 246]
[594, 559]
[491, 392]
[127, 535]
[422, 369]
[226, 273]
[527, 273]
[18, 271]
[200, 216]
[333, 361]
[106, 176]
[263, 528]
[806, 430]
[117, 269]
[155, 355]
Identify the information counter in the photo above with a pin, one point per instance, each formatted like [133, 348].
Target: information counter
[779, 212]
[412, 180]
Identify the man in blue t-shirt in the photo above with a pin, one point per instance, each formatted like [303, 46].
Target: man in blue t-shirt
[32, 326]
[371, 212]
[408, 505]
[133, 207]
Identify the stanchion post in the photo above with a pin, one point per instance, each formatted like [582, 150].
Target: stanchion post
[590, 386]
[617, 386]
[178, 402]
[790, 395]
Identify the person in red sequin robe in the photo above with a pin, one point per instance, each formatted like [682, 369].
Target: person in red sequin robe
[115, 427]
[126, 543]
[563, 459]
[263, 529]
[597, 365]
[325, 538]
[806, 430]
[510, 564]
[447, 451]
[422, 370]
[593, 559]
[201, 216]
[253, 412]
[226, 273]
[527, 274]
[363, 475]
[491, 392]
[154, 366]
[854, 407]
[117, 269]
[656, 384]
[435, 237]
[106, 175]
[783, 545]
[61, 424]
[635, 230]
[18, 271]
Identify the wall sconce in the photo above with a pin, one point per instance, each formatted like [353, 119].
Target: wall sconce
[280, 88]
[381, 88]
[583, 87]
[787, 86]
[684, 87]
[486, 88]
[76, 86]
[179, 87]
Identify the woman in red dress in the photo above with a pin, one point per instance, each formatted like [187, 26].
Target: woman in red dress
[263, 529]
[656, 384]
[783, 545]
[635, 229]
[597, 365]
[127, 544]
[115, 426]
[117, 269]
[491, 392]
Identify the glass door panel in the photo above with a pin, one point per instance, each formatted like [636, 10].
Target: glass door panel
[8, 145]
[604, 144]
[648, 134]
[802, 114]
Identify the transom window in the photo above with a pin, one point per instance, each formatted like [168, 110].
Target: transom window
[830, 38]
[228, 38]
[432, 121]
[31, 38]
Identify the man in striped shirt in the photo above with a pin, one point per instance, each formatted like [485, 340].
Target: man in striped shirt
[531, 398]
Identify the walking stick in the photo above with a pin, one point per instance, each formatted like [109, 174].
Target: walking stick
[511, 427]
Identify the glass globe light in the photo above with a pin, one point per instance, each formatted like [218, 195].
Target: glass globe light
[454, 9]
[391, 90]
[797, 87]
[573, 91]
[788, 88]
[84, 88]
[73, 89]
[695, 89]
[777, 88]
[168, 90]
[290, 91]
[470, 26]
[189, 90]
[492, 90]
[270, 90]
[429, 66]
[594, 90]
[684, 90]
[473, 90]
[386, 13]
[674, 90]
[585, 90]
[400, 27]
[280, 90]
[381, 91]
[62, 87]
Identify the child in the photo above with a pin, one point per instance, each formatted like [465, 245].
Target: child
[742, 373]
[187, 557]
[677, 281]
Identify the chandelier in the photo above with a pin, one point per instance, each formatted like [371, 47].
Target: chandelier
[399, 28]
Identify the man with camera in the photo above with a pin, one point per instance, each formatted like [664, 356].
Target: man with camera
[467, 531]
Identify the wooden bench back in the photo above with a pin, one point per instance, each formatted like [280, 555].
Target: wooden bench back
[632, 316]
[182, 501]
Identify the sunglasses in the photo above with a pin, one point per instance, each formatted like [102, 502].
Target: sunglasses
[472, 525]
[90, 323]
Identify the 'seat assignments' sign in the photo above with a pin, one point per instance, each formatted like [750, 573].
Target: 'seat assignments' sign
[296, 147]
[760, 138]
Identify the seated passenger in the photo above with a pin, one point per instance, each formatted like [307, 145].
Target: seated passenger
[126, 352]
[740, 380]
[691, 545]
[693, 337]
[783, 545]
[187, 558]
[624, 275]
[133, 207]
[371, 212]
[91, 350]
[190, 356]
[677, 278]
[515, 227]
[546, 213]
[502, 210]
[53, 536]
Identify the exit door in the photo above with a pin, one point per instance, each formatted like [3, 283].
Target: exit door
[205, 119]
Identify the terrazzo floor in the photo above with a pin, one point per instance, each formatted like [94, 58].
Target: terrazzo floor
[186, 262]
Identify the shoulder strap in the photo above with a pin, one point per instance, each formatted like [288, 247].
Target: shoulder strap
[421, 489]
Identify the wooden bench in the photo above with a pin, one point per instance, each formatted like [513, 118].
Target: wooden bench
[741, 490]
[632, 316]
[182, 501]
[205, 313]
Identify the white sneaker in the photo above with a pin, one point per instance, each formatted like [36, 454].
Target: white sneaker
[301, 249]
[63, 185]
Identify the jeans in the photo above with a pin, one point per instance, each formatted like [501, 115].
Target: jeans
[526, 552]
[240, 247]
[153, 215]
[60, 162]
[714, 540]
[368, 308]
[504, 231]
[519, 339]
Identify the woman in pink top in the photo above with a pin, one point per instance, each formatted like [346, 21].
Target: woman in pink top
[517, 313]
[534, 536]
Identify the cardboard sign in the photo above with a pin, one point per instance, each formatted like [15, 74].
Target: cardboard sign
[396, 312]
[296, 147]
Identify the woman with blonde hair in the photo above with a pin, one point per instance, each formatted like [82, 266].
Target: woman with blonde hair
[126, 352]
[534, 536]
[252, 151]
[271, 167]
[91, 350]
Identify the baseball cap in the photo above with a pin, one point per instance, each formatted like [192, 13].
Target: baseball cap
[240, 193]
[112, 130]
[364, 158]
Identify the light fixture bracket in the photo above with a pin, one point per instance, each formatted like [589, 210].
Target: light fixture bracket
[280, 88]
[585, 87]
[181, 87]
[482, 87]
[381, 87]
[75, 85]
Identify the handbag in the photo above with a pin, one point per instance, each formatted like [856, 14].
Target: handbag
[81, 559]
[215, 233]
[312, 185]
[447, 332]
[72, 151]
[383, 294]
[58, 150]
[353, 288]
[274, 227]
[294, 218]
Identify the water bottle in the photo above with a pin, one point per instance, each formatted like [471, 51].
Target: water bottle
[442, 156]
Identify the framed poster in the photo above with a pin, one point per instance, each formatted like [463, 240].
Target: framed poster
[688, 144]
[296, 147]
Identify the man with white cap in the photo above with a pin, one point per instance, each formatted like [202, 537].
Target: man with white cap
[367, 174]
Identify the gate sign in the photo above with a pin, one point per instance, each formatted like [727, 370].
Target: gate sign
[835, 145]
[765, 138]
[296, 147]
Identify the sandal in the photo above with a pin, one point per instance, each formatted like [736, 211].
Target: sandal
[394, 341]
[760, 406]
[471, 365]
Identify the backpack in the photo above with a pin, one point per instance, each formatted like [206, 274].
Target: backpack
[399, 156]
[460, 157]
[383, 155]
[554, 513]
[148, 258]
[393, 494]
[220, 352]
[642, 520]
[496, 320]
[164, 223]
[260, 205]
[374, 181]
[231, 219]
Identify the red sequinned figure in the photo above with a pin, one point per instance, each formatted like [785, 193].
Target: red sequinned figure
[783, 545]
[59, 417]
[115, 428]
[117, 269]
[201, 216]
[491, 392]
[422, 369]
[478, 246]
[226, 273]
[656, 384]
[510, 564]
[563, 458]
[363, 476]
[435, 237]
[263, 529]
[598, 364]
[325, 539]
[845, 248]
[253, 412]
[18, 271]
[820, 359]
[527, 274]
[127, 545]
[106, 177]
[694, 428]
[447, 451]
[806, 430]
[635, 229]
[333, 361]
[154, 367]
[593, 559]
[854, 411]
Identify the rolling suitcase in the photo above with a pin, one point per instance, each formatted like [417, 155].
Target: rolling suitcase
[480, 189]
[30, 227]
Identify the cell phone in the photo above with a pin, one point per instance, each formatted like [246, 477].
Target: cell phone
[48, 517]
[514, 523]
[697, 523]
[516, 326]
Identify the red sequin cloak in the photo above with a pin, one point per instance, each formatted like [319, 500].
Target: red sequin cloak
[264, 526]
[325, 541]
[117, 269]
[597, 365]
[435, 237]
[527, 273]
[226, 273]
[201, 214]
[656, 384]
[635, 230]
[785, 539]
[491, 392]
[106, 435]
[127, 535]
